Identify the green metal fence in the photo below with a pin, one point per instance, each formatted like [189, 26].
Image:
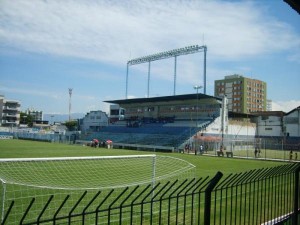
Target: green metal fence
[261, 196]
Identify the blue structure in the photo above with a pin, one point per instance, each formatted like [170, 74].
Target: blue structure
[169, 121]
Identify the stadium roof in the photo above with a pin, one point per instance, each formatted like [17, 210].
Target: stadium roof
[269, 113]
[239, 115]
[163, 99]
[293, 110]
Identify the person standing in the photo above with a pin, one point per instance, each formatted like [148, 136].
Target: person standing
[201, 149]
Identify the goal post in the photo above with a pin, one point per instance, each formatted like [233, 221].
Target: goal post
[26, 178]
[88, 172]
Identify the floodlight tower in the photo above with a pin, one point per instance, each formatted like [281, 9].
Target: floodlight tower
[70, 96]
[164, 55]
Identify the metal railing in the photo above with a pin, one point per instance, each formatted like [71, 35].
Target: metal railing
[261, 196]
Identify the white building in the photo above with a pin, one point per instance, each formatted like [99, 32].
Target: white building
[9, 112]
[270, 124]
[269, 105]
[93, 121]
[116, 113]
[292, 123]
[278, 123]
[36, 115]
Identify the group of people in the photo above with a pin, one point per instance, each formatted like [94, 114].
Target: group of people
[187, 148]
[291, 155]
[201, 149]
[257, 154]
[257, 151]
[96, 143]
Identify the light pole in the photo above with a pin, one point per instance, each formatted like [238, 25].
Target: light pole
[197, 87]
[70, 95]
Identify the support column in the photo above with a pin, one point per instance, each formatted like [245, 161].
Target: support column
[204, 69]
[126, 89]
[148, 86]
[175, 71]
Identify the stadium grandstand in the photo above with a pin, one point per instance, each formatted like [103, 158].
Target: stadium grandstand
[167, 122]
[175, 123]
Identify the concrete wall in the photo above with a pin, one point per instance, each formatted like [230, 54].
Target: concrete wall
[292, 123]
[269, 126]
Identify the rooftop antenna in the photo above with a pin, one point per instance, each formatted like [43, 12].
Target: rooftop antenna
[70, 96]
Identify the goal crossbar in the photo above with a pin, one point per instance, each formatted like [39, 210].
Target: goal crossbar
[72, 158]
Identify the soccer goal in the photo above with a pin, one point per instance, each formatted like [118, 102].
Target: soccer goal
[22, 180]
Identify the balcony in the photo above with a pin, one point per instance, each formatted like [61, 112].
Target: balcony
[10, 115]
[11, 108]
[10, 122]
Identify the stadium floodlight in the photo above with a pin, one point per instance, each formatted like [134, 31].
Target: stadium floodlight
[168, 54]
[198, 87]
[164, 55]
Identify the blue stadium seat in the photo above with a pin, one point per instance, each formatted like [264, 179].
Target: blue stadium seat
[150, 133]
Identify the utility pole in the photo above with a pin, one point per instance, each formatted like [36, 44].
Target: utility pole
[224, 118]
[197, 87]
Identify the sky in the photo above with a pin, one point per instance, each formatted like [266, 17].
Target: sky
[49, 46]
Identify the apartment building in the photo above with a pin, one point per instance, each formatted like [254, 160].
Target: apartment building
[36, 115]
[9, 112]
[244, 95]
[269, 105]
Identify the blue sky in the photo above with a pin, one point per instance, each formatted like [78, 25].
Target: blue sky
[48, 46]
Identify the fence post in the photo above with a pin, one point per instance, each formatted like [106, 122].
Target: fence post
[5, 216]
[207, 205]
[296, 198]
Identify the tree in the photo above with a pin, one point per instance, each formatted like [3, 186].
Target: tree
[71, 125]
[26, 119]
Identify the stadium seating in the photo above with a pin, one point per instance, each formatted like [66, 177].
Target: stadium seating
[171, 134]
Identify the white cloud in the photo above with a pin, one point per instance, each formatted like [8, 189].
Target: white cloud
[116, 31]
[110, 31]
[285, 106]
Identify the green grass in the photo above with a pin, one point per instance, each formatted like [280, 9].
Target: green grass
[205, 165]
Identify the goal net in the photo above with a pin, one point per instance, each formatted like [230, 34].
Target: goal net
[37, 179]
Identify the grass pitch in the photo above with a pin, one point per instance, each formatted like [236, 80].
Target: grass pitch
[205, 165]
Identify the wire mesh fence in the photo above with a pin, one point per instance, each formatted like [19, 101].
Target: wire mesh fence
[260, 148]
[262, 196]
